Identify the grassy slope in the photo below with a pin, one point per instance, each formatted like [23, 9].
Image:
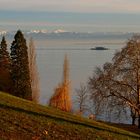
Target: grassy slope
[128, 127]
[21, 119]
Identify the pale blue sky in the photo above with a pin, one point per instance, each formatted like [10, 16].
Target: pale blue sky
[73, 5]
[73, 15]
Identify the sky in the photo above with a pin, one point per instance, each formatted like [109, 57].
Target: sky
[72, 5]
[72, 15]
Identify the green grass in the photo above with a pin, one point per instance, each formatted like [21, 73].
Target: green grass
[23, 120]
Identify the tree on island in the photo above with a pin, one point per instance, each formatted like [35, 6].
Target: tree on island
[20, 67]
[61, 98]
[5, 79]
[34, 75]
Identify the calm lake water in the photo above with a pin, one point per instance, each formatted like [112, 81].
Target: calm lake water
[50, 57]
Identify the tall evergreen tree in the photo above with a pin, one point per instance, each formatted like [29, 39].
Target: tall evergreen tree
[20, 67]
[5, 79]
[4, 54]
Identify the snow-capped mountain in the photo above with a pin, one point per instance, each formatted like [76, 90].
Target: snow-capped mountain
[37, 31]
[63, 34]
[59, 31]
[3, 32]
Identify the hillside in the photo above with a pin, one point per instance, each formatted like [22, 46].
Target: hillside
[25, 120]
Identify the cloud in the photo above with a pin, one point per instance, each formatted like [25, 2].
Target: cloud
[126, 6]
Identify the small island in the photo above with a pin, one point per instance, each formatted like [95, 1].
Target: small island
[99, 48]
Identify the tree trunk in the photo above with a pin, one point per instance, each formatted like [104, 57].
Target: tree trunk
[139, 122]
[133, 120]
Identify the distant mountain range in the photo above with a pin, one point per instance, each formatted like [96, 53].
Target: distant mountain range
[62, 34]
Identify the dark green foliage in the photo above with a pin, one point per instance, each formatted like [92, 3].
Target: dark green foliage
[5, 79]
[4, 55]
[20, 67]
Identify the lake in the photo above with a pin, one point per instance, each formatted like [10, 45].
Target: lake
[50, 57]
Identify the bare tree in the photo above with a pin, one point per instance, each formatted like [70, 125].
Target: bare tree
[34, 75]
[120, 80]
[82, 99]
[107, 108]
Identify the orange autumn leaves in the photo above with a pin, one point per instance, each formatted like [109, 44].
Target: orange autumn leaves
[61, 98]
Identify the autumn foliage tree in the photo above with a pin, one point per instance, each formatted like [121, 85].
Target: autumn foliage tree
[61, 98]
[34, 76]
[20, 67]
[5, 79]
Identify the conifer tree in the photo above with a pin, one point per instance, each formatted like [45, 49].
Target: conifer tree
[5, 79]
[4, 54]
[20, 67]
